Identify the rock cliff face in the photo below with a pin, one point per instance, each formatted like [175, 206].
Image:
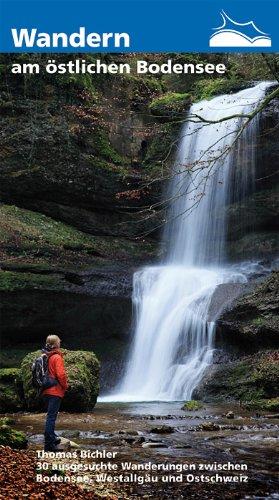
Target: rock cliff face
[253, 222]
[70, 147]
[85, 156]
[253, 381]
[252, 320]
[75, 157]
[245, 366]
[80, 162]
[245, 361]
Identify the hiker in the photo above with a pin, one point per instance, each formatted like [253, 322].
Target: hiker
[53, 395]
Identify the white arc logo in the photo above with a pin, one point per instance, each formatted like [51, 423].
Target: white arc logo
[234, 34]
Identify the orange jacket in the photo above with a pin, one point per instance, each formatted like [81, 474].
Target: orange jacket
[56, 369]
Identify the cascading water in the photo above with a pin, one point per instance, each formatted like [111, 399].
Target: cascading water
[173, 342]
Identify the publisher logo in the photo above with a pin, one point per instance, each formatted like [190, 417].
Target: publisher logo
[234, 34]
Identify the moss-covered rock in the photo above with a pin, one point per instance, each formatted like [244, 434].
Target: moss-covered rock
[10, 437]
[249, 380]
[170, 106]
[83, 374]
[211, 87]
[82, 369]
[266, 374]
[10, 390]
[192, 405]
[10, 281]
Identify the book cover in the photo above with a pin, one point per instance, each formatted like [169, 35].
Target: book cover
[139, 282]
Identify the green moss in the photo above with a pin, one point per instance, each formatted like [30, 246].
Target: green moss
[263, 405]
[82, 369]
[37, 228]
[7, 374]
[27, 235]
[52, 471]
[26, 267]
[80, 81]
[241, 383]
[258, 321]
[10, 437]
[10, 390]
[266, 374]
[142, 85]
[208, 88]
[6, 421]
[103, 148]
[108, 167]
[170, 106]
[12, 281]
[192, 405]
[251, 379]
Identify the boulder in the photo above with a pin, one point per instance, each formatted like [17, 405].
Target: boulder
[192, 406]
[83, 375]
[10, 390]
[222, 298]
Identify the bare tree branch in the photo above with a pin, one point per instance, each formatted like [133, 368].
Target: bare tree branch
[158, 208]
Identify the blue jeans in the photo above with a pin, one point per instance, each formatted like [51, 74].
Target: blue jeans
[53, 405]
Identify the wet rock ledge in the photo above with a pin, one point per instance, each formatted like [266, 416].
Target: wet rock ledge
[245, 366]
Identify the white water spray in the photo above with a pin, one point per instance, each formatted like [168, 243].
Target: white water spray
[173, 340]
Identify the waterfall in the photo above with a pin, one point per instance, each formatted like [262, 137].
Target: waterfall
[173, 339]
